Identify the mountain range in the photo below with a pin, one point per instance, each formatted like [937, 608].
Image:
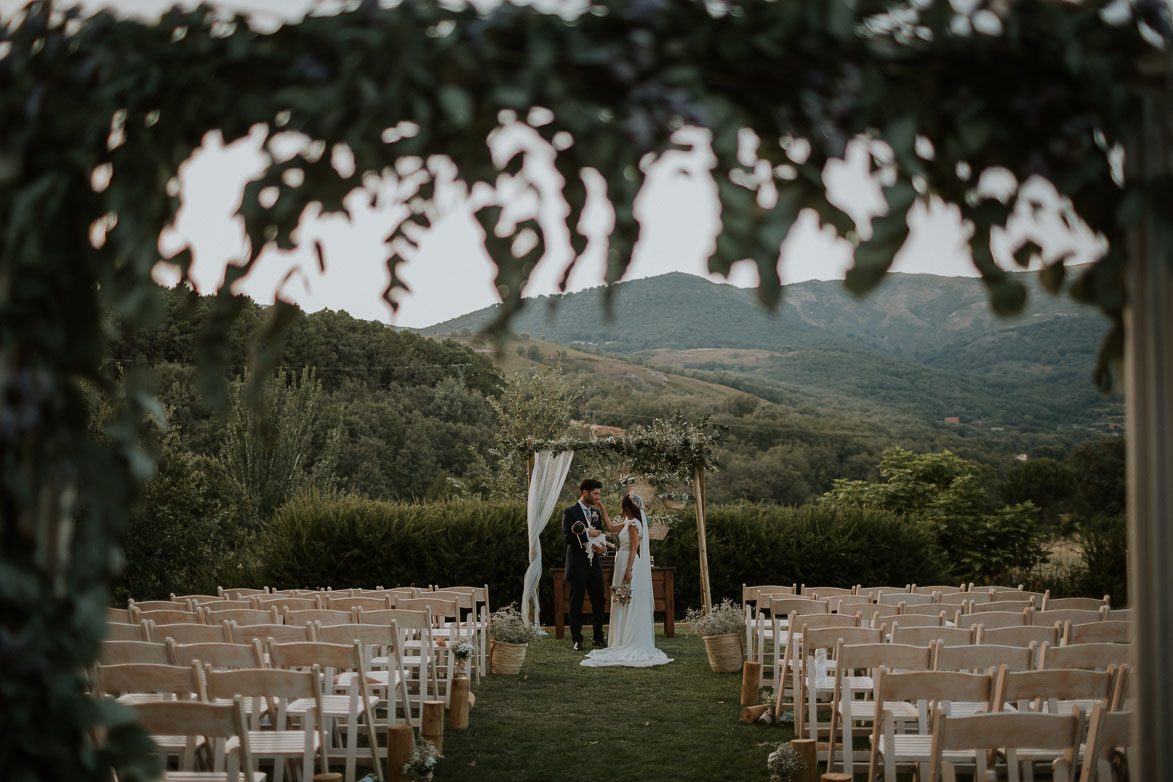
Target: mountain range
[919, 344]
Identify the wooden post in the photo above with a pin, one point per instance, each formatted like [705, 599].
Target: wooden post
[1148, 387]
[400, 743]
[458, 711]
[751, 671]
[698, 490]
[432, 727]
[807, 749]
[530, 458]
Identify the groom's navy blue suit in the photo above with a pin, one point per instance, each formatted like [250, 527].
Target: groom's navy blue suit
[583, 574]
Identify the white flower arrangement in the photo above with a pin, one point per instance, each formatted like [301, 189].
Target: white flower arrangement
[464, 650]
[784, 763]
[422, 762]
[508, 626]
[725, 618]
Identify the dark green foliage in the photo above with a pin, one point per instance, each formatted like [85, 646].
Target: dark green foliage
[1046, 483]
[117, 94]
[342, 541]
[981, 543]
[189, 532]
[1105, 559]
[334, 540]
[827, 545]
[1099, 478]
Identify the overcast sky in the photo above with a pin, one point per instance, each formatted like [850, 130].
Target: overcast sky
[451, 274]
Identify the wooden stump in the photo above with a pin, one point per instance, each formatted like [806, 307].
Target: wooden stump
[432, 728]
[807, 749]
[835, 777]
[458, 712]
[331, 776]
[750, 673]
[400, 742]
[750, 714]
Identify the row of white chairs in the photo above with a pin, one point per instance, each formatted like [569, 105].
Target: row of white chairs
[464, 609]
[766, 615]
[933, 722]
[303, 701]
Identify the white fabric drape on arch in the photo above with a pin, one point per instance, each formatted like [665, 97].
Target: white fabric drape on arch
[545, 485]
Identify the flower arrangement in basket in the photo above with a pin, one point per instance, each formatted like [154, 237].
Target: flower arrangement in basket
[723, 631]
[621, 594]
[784, 763]
[422, 762]
[509, 634]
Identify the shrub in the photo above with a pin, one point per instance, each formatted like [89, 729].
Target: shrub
[825, 544]
[1105, 556]
[187, 533]
[991, 546]
[334, 540]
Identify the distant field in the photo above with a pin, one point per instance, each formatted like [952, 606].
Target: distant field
[1066, 551]
[604, 369]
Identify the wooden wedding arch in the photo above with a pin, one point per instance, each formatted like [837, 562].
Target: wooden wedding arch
[668, 452]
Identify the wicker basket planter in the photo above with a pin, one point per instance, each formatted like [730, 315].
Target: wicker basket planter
[506, 657]
[725, 652]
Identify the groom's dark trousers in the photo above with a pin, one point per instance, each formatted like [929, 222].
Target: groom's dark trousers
[583, 575]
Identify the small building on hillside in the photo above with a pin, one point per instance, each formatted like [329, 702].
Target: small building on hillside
[952, 419]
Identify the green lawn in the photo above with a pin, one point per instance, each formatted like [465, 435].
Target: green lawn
[560, 721]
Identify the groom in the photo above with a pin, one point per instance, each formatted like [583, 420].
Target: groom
[584, 573]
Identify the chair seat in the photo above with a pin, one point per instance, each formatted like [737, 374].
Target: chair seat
[826, 684]
[1083, 704]
[211, 776]
[966, 708]
[251, 705]
[275, 743]
[918, 748]
[374, 678]
[134, 698]
[332, 705]
[172, 744]
[901, 711]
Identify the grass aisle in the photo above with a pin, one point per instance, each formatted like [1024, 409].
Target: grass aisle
[561, 721]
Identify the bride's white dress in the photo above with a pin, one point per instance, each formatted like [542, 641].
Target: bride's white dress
[631, 636]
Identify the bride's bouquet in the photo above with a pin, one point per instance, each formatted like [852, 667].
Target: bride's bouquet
[621, 594]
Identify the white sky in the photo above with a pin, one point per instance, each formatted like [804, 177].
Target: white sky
[451, 274]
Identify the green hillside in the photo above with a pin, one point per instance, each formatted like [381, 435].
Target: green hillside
[923, 346]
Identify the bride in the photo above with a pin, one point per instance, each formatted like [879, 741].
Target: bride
[631, 635]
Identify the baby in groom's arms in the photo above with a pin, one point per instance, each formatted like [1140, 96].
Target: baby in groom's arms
[597, 543]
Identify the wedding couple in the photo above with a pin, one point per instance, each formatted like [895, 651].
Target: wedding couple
[633, 641]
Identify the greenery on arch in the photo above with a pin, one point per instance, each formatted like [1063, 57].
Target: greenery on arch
[667, 453]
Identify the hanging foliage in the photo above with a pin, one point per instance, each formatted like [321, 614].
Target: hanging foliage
[98, 114]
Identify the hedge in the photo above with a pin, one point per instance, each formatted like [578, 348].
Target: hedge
[340, 541]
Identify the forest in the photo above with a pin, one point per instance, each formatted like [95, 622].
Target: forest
[364, 413]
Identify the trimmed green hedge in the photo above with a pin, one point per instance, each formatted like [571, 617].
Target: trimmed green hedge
[339, 541]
